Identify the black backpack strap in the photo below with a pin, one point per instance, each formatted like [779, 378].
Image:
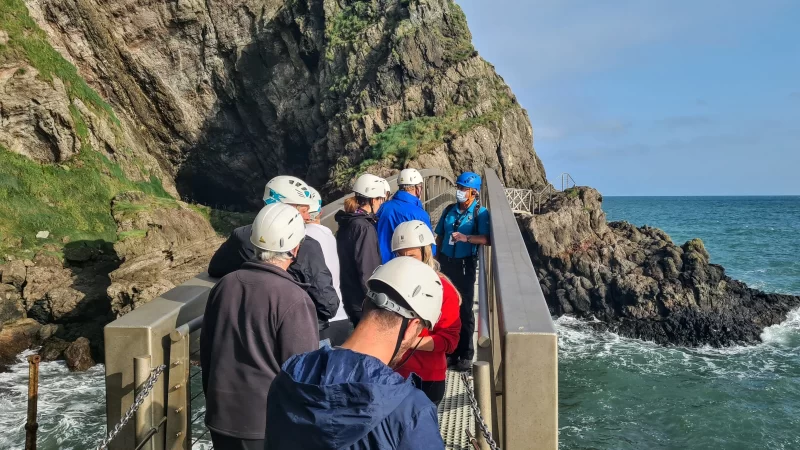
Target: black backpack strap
[475, 213]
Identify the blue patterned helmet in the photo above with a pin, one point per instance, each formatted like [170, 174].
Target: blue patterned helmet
[469, 180]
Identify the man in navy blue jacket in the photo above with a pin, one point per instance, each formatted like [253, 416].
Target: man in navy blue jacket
[349, 398]
[403, 207]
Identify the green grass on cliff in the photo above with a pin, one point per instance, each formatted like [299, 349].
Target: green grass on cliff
[28, 42]
[457, 42]
[346, 27]
[407, 140]
[71, 200]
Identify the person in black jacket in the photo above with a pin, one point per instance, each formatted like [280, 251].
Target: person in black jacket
[308, 267]
[357, 242]
[256, 318]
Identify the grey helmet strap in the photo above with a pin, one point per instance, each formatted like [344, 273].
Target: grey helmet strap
[383, 301]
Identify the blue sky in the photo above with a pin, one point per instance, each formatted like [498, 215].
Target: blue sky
[654, 97]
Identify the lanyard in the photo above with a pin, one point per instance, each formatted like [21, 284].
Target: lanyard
[457, 223]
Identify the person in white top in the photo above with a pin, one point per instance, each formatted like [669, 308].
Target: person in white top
[340, 327]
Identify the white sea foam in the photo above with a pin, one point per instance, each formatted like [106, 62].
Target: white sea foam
[577, 341]
[71, 406]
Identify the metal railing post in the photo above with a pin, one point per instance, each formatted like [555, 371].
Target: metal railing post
[178, 407]
[143, 420]
[482, 379]
[31, 426]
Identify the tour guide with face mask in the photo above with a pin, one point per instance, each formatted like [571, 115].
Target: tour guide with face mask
[349, 397]
[464, 225]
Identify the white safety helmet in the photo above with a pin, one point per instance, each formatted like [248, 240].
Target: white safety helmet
[289, 190]
[316, 207]
[409, 177]
[387, 187]
[278, 228]
[415, 282]
[412, 234]
[369, 186]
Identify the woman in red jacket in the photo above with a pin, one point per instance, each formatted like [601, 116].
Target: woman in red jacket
[429, 358]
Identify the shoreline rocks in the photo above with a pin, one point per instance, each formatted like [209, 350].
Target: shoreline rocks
[636, 282]
[63, 306]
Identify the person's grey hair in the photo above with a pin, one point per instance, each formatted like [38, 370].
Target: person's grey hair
[408, 187]
[272, 257]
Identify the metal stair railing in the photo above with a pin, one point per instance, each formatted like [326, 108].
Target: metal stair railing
[566, 180]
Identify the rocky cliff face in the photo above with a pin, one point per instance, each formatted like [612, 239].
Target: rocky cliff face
[223, 90]
[637, 282]
[51, 302]
[111, 111]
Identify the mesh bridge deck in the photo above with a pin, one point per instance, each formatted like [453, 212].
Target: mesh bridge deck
[455, 414]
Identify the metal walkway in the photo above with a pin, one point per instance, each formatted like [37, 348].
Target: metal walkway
[455, 414]
[515, 342]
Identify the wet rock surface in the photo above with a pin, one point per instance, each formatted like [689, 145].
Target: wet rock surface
[17, 337]
[637, 282]
[78, 355]
[53, 349]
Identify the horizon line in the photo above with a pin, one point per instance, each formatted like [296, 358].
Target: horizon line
[702, 195]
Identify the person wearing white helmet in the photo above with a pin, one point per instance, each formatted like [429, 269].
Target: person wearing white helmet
[349, 397]
[309, 265]
[255, 319]
[291, 191]
[404, 206]
[429, 358]
[339, 327]
[388, 188]
[357, 242]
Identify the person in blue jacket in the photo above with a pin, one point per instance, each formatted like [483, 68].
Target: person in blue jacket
[464, 226]
[350, 397]
[405, 206]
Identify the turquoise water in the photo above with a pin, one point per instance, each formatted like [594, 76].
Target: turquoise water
[618, 393]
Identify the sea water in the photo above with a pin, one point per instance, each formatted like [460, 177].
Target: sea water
[619, 393]
[614, 392]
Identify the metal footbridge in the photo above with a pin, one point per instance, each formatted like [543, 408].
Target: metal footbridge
[515, 376]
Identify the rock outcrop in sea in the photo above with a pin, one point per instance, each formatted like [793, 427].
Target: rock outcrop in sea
[637, 282]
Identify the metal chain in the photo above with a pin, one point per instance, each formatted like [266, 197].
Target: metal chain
[137, 402]
[473, 403]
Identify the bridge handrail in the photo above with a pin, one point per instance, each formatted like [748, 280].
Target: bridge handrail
[521, 342]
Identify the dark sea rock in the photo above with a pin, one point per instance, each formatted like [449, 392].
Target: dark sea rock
[79, 355]
[53, 349]
[636, 282]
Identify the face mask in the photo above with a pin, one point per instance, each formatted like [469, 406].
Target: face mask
[461, 196]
